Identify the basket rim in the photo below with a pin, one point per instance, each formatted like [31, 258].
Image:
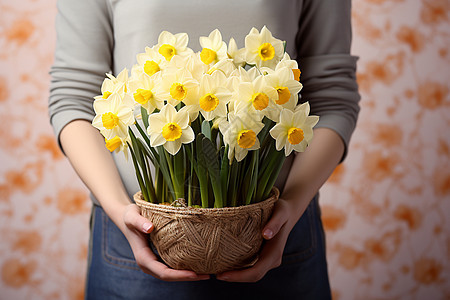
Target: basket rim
[275, 194]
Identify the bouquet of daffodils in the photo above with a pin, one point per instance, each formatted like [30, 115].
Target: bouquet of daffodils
[211, 127]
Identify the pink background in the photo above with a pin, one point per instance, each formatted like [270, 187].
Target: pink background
[385, 209]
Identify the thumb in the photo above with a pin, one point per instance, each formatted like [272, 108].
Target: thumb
[279, 217]
[133, 219]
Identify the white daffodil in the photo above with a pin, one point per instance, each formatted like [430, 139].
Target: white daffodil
[213, 96]
[226, 66]
[190, 63]
[214, 49]
[255, 96]
[295, 129]
[113, 84]
[262, 49]
[236, 54]
[282, 80]
[240, 132]
[170, 129]
[145, 92]
[114, 115]
[179, 86]
[287, 62]
[170, 44]
[151, 62]
[118, 144]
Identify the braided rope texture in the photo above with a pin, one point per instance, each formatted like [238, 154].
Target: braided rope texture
[208, 240]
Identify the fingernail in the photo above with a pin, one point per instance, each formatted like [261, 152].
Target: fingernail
[147, 226]
[222, 277]
[268, 234]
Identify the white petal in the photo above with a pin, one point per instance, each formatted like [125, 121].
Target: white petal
[156, 139]
[187, 135]
[173, 146]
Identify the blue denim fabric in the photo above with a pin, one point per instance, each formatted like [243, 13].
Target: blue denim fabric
[114, 274]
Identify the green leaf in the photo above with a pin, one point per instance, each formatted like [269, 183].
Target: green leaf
[202, 173]
[144, 115]
[211, 158]
[206, 129]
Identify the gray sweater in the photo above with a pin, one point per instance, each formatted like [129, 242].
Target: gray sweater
[99, 36]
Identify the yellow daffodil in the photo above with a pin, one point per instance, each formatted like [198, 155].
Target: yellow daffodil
[114, 115]
[170, 44]
[240, 132]
[170, 128]
[118, 144]
[237, 55]
[145, 92]
[151, 62]
[262, 49]
[113, 84]
[179, 86]
[213, 96]
[282, 80]
[295, 129]
[214, 49]
[255, 96]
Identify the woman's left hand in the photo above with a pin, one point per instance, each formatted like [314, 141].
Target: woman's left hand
[275, 232]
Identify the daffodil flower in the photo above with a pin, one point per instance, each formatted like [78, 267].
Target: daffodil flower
[255, 97]
[145, 92]
[295, 129]
[237, 55]
[213, 96]
[113, 84]
[114, 115]
[118, 144]
[170, 128]
[214, 49]
[262, 49]
[170, 44]
[282, 80]
[240, 132]
[151, 62]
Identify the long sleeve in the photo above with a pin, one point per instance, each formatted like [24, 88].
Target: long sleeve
[328, 70]
[83, 55]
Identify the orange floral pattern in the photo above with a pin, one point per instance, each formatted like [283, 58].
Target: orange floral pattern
[384, 210]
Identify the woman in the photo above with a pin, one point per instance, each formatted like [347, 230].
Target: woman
[99, 36]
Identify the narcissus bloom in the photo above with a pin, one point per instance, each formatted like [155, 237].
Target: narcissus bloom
[240, 132]
[213, 96]
[295, 129]
[113, 84]
[145, 92]
[282, 80]
[118, 144]
[151, 62]
[170, 128]
[214, 49]
[237, 55]
[262, 49]
[114, 115]
[255, 96]
[170, 44]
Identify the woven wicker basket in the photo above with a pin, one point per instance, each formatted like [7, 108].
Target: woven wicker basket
[208, 240]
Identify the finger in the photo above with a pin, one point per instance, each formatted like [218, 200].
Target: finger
[279, 217]
[134, 219]
[270, 258]
[149, 263]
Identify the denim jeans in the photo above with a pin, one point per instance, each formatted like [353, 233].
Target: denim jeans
[114, 274]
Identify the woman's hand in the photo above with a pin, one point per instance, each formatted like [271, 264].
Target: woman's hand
[136, 231]
[275, 232]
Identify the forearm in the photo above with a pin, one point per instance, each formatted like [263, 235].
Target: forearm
[312, 168]
[86, 151]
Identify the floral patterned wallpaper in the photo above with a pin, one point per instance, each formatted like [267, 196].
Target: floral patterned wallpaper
[384, 209]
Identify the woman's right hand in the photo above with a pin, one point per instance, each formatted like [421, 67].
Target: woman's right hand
[136, 231]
